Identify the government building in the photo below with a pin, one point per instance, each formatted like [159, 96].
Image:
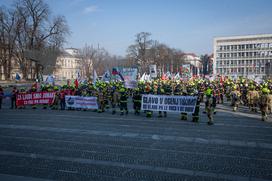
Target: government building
[68, 65]
[243, 55]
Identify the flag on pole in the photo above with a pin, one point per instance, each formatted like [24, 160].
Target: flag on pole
[17, 77]
[114, 71]
[76, 83]
[177, 76]
[121, 76]
[164, 76]
[106, 76]
[94, 77]
[143, 77]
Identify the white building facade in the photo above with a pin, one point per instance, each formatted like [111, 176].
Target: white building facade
[68, 65]
[242, 55]
[194, 61]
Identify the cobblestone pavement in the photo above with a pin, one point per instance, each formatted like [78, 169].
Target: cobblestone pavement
[37, 145]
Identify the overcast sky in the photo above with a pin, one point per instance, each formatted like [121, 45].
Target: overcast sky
[188, 25]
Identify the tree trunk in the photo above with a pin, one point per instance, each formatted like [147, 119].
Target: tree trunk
[4, 71]
[37, 70]
[9, 69]
[24, 72]
[24, 67]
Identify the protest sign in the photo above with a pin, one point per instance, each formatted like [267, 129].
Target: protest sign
[81, 102]
[130, 77]
[169, 103]
[153, 71]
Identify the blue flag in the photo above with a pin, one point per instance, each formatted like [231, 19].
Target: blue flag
[17, 77]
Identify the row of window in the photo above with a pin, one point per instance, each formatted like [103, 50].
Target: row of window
[244, 46]
[241, 70]
[68, 74]
[245, 54]
[66, 63]
[243, 62]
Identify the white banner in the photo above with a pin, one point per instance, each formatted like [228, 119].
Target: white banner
[166, 103]
[81, 102]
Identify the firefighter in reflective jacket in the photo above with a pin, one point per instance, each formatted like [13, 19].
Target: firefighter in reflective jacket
[253, 98]
[137, 99]
[123, 101]
[115, 101]
[101, 105]
[270, 102]
[264, 100]
[195, 114]
[235, 95]
[209, 105]
[270, 99]
[184, 115]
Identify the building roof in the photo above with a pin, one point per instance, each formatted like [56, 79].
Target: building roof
[66, 53]
[188, 54]
[237, 37]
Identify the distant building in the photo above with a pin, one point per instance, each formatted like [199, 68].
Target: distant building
[242, 55]
[68, 65]
[194, 61]
[15, 69]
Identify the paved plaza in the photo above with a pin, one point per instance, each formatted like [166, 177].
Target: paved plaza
[85, 145]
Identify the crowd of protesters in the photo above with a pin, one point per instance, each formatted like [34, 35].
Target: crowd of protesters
[112, 95]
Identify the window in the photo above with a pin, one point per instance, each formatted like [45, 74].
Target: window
[247, 46]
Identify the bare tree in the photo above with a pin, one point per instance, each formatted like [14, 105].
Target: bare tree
[7, 39]
[87, 55]
[37, 31]
[97, 59]
[146, 51]
[139, 50]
